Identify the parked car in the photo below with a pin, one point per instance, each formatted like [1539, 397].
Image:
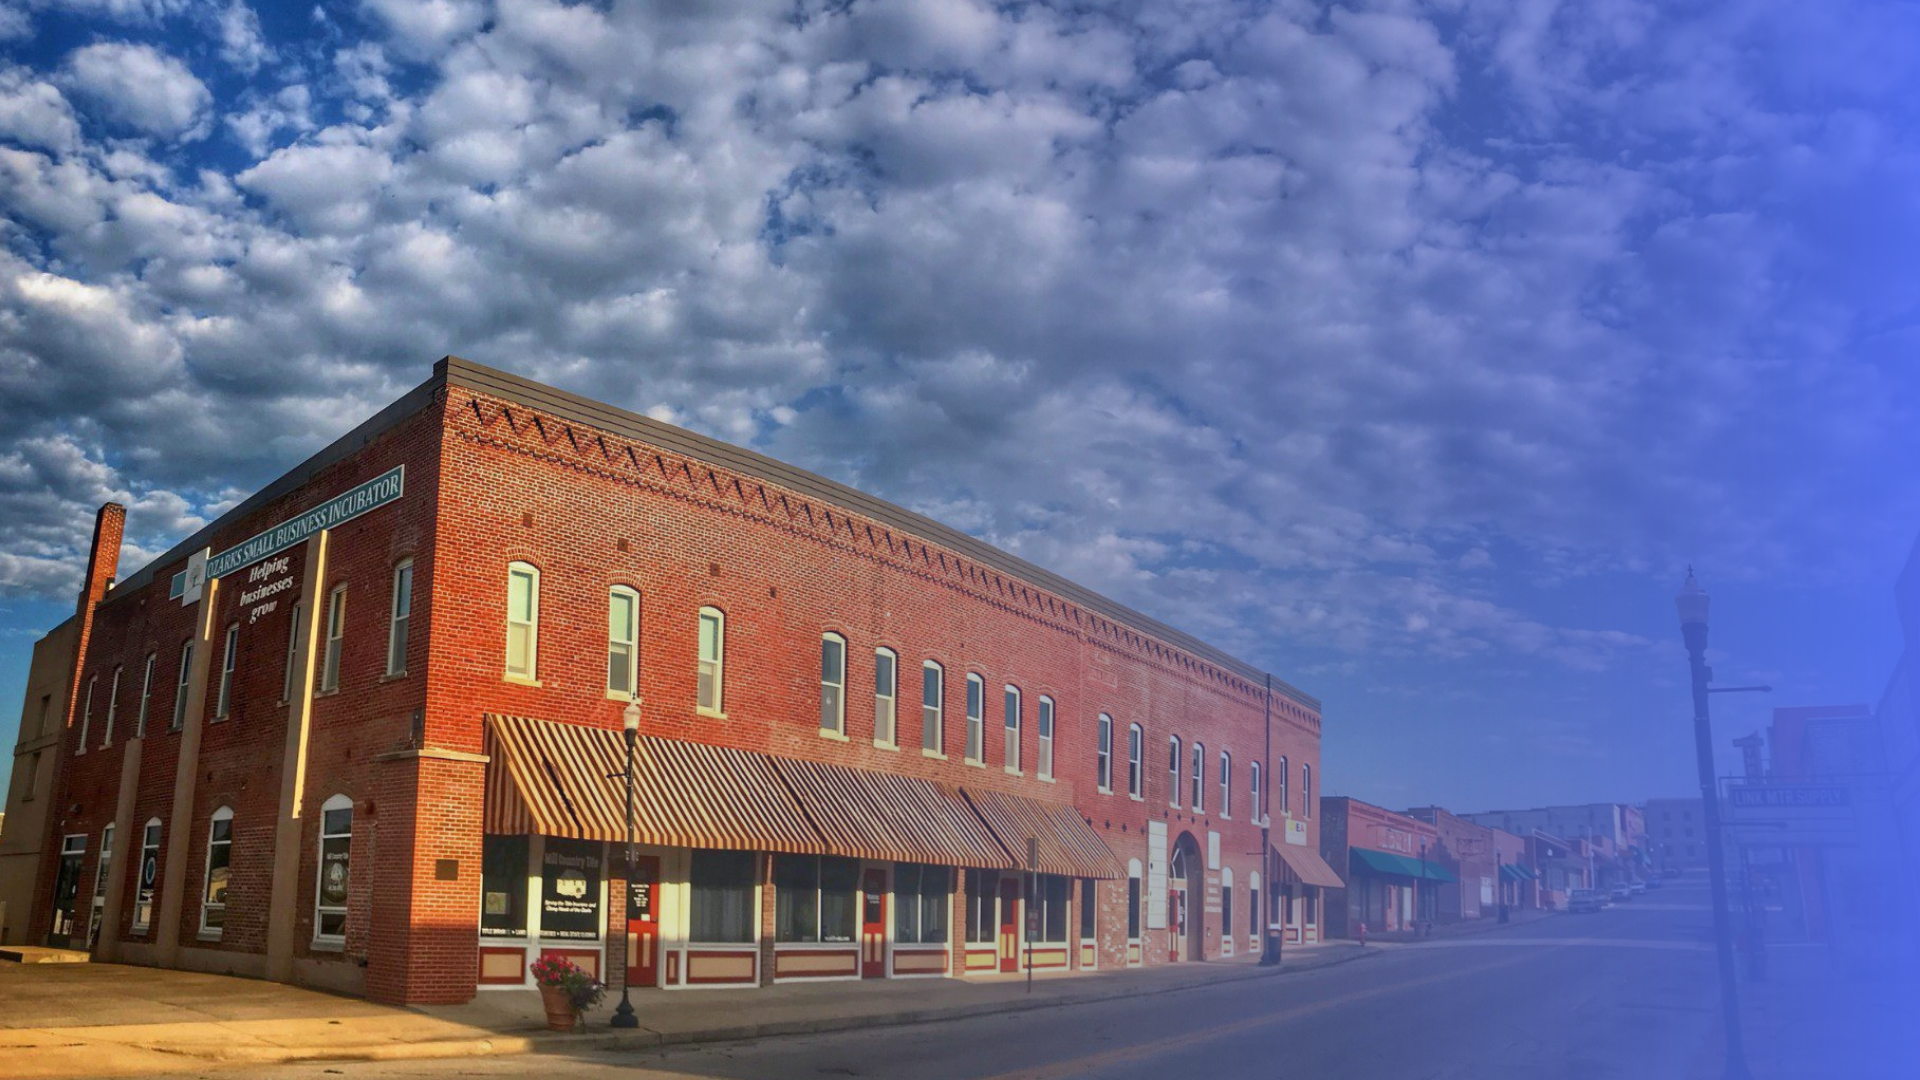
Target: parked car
[1583, 902]
[1639, 888]
[1619, 893]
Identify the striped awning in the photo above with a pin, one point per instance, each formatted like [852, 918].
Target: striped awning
[874, 815]
[1067, 844]
[1308, 866]
[559, 780]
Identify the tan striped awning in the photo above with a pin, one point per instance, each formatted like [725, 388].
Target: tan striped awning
[1308, 866]
[558, 780]
[875, 815]
[1067, 844]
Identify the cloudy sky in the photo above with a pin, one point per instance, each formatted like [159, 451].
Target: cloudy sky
[1409, 349]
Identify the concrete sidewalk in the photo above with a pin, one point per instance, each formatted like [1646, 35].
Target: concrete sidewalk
[74, 1020]
[1811, 1021]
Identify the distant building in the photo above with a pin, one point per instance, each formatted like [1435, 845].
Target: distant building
[1392, 864]
[1620, 826]
[1469, 851]
[1676, 835]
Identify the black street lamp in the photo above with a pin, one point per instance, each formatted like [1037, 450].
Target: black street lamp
[1420, 887]
[1692, 602]
[623, 1015]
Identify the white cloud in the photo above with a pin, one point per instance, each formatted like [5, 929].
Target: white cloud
[35, 114]
[137, 86]
[241, 43]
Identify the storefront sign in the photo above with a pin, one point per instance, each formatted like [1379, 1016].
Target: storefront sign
[640, 900]
[335, 512]
[570, 889]
[1296, 833]
[334, 865]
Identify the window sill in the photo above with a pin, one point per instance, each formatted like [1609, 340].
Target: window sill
[327, 693]
[1044, 778]
[885, 744]
[941, 755]
[1012, 771]
[208, 935]
[621, 696]
[714, 714]
[329, 945]
[833, 735]
[521, 680]
[393, 676]
[1137, 798]
[221, 719]
[974, 763]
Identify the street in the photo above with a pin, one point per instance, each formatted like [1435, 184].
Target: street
[1624, 993]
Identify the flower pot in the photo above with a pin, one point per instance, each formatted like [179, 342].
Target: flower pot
[560, 1014]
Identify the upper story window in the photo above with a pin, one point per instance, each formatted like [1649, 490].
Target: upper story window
[296, 632]
[336, 853]
[1012, 708]
[976, 718]
[336, 639]
[1280, 780]
[1259, 810]
[146, 697]
[1045, 737]
[229, 656]
[523, 621]
[713, 661]
[1306, 791]
[886, 696]
[180, 688]
[1103, 753]
[1199, 801]
[397, 617]
[1173, 770]
[1136, 747]
[86, 714]
[932, 724]
[113, 708]
[1226, 784]
[623, 642]
[833, 683]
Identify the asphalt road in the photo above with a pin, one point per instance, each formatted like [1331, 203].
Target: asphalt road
[1626, 993]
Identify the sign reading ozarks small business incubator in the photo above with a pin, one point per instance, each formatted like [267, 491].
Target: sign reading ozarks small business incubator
[202, 567]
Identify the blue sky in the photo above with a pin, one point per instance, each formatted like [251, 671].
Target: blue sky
[1411, 350]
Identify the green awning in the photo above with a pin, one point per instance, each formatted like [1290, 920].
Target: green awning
[1511, 872]
[1386, 862]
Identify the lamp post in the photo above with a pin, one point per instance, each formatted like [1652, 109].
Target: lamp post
[623, 1015]
[1692, 603]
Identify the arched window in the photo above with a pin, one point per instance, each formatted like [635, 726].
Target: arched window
[976, 719]
[213, 900]
[523, 621]
[1045, 737]
[833, 683]
[1012, 709]
[1199, 803]
[623, 642]
[1136, 746]
[1173, 770]
[1253, 910]
[149, 876]
[886, 696]
[933, 735]
[336, 855]
[710, 696]
[1103, 756]
[1226, 784]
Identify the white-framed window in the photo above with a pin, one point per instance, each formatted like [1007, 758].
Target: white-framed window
[1199, 802]
[146, 697]
[1280, 790]
[1173, 770]
[1103, 753]
[933, 689]
[886, 696]
[223, 701]
[336, 855]
[213, 901]
[1136, 768]
[1306, 791]
[86, 714]
[711, 693]
[1011, 707]
[149, 876]
[398, 616]
[976, 718]
[1226, 784]
[336, 639]
[623, 642]
[833, 683]
[294, 630]
[523, 621]
[1258, 794]
[1045, 737]
[180, 688]
[113, 708]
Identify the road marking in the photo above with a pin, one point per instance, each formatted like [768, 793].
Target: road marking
[1124, 1055]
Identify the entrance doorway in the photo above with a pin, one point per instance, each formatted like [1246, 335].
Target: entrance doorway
[873, 923]
[66, 889]
[1010, 923]
[1186, 885]
[643, 922]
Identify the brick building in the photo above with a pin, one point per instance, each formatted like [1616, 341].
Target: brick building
[1469, 852]
[358, 732]
[1391, 864]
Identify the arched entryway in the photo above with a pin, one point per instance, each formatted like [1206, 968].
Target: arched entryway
[1186, 899]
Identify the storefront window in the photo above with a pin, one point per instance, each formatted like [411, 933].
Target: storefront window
[149, 874]
[920, 904]
[814, 898]
[980, 888]
[503, 886]
[1048, 894]
[336, 838]
[721, 885]
[1133, 908]
[570, 889]
[1086, 910]
[213, 905]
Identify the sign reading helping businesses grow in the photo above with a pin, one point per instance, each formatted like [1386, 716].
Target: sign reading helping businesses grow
[372, 495]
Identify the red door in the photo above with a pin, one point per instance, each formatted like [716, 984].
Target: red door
[643, 923]
[1010, 924]
[873, 924]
